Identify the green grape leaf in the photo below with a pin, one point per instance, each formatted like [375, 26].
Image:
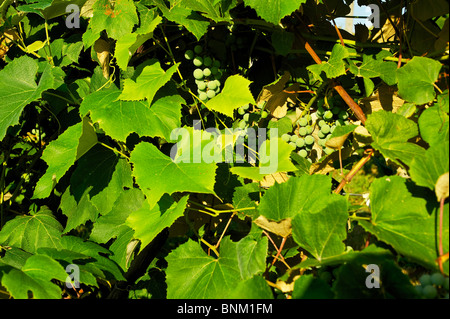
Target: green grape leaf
[335, 66]
[112, 224]
[158, 173]
[310, 287]
[35, 276]
[121, 118]
[77, 212]
[149, 222]
[147, 83]
[117, 19]
[426, 9]
[416, 79]
[390, 133]
[425, 170]
[252, 288]
[252, 255]
[374, 66]
[210, 10]
[31, 232]
[274, 10]
[402, 221]
[235, 93]
[61, 154]
[18, 88]
[322, 232]
[49, 9]
[274, 155]
[192, 274]
[434, 126]
[282, 41]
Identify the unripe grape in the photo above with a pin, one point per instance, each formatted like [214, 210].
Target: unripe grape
[202, 96]
[294, 138]
[246, 117]
[207, 72]
[335, 110]
[214, 70]
[189, 55]
[328, 150]
[425, 279]
[198, 74]
[328, 115]
[286, 137]
[198, 61]
[320, 111]
[293, 144]
[340, 122]
[321, 123]
[445, 285]
[212, 85]
[437, 279]
[207, 61]
[303, 153]
[308, 117]
[198, 49]
[201, 86]
[332, 128]
[325, 129]
[321, 142]
[242, 124]
[241, 111]
[302, 131]
[302, 121]
[429, 291]
[264, 114]
[300, 142]
[217, 82]
[309, 129]
[320, 134]
[343, 115]
[246, 106]
[216, 63]
[309, 140]
[211, 94]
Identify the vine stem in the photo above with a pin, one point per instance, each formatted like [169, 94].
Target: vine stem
[224, 231]
[353, 171]
[441, 247]
[114, 150]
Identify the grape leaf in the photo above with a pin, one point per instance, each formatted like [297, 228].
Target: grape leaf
[374, 66]
[192, 274]
[335, 66]
[425, 170]
[121, 118]
[118, 19]
[252, 288]
[31, 232]
[235, 93]
[77, 212]
[416, 79]
[402, 221]
[274, 10]
[147, 83]
[157, 172]
[390, 133]
[322, 232]
[35, 276]
[310, 287]
[434, 126]
[18, 88]
[149, 222]
[252, 255]
[207, 7]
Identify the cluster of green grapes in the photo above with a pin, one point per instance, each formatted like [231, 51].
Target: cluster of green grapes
[433, 286]
[207, 73]
[249, 116]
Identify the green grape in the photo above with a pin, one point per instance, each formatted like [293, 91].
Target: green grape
[207, 61]
[217, 90]
[425, 279]
[294, 138]
[308, 117]
[321, 142]
[189, 55]
[264, 114]
[418, 289]
[325, 129]
[328, 150]
[214, 70]
[242, 124]
[207, 72]
[286, 137]
[246, 117]
[300, 142]
[328, 115]
[211, 94]
[217, 82]
[309, 140]
[309, 129]
[335, 110]
[202, 96]
[332, 128]
[212, 85]
[437, 279]
[198, 74]
[321, 123]
[302, 121]
[340, 122]
[216, 63]
[201, 86]
[246, 106]
[293, 144]
[343, 115]
[198, 49]
[320, 134]
[303, 153]
[302, 131]
[320, 111]
[429, 292]
[198, 61]
[445, 285]
[241, 111]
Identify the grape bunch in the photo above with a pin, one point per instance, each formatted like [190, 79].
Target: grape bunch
[433, 286]
[207, 73]
[249, 115]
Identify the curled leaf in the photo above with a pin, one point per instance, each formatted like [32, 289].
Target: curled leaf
[442, 186]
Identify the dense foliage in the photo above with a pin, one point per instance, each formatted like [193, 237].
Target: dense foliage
[119, 178]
